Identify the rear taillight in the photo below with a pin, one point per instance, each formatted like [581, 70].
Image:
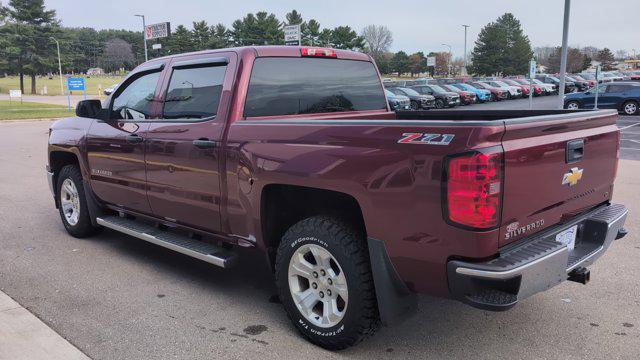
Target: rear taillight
[318, 52]
[615, 169]
[473, 184]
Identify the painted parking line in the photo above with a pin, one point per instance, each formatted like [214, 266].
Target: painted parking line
[629, 126]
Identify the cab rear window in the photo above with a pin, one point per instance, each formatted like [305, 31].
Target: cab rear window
[291, 86]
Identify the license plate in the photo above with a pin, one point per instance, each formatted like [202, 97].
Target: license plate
[568, 237]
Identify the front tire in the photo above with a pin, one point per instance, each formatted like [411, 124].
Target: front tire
[572, 105]
[72, 203]
[630, 108]
[325, 283]
[414, 105]
[439, 104]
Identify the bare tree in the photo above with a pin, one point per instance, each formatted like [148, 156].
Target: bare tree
[621, 54]
[378, 39]
[118, 54]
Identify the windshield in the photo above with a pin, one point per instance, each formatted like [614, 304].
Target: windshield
[522, 81]
[502, 83]
[578, 78]
[494, 84]
[437, 88]
[451, 88]
[410, 92]
[554, 78]
[536, 81]
[389, 93]
[588, 76]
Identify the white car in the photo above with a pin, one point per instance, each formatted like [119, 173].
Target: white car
[548, 88]
[108, 91]
[514, 91]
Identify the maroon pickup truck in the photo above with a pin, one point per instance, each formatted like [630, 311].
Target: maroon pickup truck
[294, 152]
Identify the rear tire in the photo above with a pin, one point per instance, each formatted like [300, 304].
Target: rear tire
[325, 283]
[72, 203]
[630, 108]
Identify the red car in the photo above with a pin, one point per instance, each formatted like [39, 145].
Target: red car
[466, 97]
[537, 89]
[496, 94]
[525, 88]
[294, 154]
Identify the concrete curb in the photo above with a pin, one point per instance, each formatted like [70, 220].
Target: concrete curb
[24, 336]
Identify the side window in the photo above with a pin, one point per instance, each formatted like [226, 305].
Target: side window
[194, 93]
[134, 102]
[617, 88]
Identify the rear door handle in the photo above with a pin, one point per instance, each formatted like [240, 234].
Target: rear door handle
[134, 139]
[204, 144]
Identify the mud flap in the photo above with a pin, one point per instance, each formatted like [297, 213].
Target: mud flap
[396, 302]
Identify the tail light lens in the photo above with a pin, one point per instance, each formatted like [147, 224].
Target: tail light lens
[473, 196]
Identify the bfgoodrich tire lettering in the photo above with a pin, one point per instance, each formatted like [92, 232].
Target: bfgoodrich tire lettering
[71, 198]
[349, 251]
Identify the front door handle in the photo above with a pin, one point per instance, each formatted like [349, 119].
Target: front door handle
[204, 144]
[134, 139]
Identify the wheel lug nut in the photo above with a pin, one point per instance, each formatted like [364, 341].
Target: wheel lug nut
[323, 273]
[315, 274]
[314, 285]
[330, 281]
[329, 292]
[321, 294]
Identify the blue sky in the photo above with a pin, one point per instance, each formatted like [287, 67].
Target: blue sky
[416, 25]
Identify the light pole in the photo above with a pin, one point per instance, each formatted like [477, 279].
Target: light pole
[59, 65]
[144, 36]
[565, 48]
[464, 70]
[448, 60]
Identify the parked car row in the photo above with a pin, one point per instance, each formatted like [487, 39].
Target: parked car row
[427, 93]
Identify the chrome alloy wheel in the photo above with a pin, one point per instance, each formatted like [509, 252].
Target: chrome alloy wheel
[573, 106]
[630, 108]
[318, 286]
[70, 202]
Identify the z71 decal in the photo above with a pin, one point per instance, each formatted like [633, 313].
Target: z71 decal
[426, 139]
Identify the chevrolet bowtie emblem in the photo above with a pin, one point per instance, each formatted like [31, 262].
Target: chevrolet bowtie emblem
[571, 178]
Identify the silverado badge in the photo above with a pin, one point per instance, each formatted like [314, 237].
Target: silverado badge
[572, 177]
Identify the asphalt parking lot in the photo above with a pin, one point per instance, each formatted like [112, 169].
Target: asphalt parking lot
[115, 297]
[629, 125]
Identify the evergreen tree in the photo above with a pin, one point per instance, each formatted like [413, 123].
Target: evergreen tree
[181, 41]
[502, 47]
[325, 38]
[201, 35]
[220, 37]
[343, 37]
[400, 62]
[294, 18]
[311, 33]
[606, 59]
[28, 35]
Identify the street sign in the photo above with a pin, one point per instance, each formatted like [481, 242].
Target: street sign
[431, 61]
[292, 35]
[157, 31]
[532, 69]
[156, 46]
[74, 84]
[15, 94]
[598, 72]
[532, 74]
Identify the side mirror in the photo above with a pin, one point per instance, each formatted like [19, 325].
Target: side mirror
[88, 108]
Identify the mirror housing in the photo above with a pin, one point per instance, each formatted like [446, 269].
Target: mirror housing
[89, 109]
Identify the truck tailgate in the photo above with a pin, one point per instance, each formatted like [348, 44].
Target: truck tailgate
[545, 180]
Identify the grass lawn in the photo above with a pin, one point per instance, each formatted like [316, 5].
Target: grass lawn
[95, 84]
[29, 110]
